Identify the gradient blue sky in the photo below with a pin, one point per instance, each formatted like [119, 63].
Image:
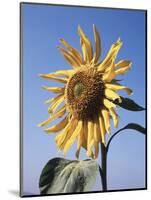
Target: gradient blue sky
[43, 25]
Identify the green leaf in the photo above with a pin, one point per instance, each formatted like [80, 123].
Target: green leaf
[136, 127]
[129, 104]
[68, 176]
[133, 126]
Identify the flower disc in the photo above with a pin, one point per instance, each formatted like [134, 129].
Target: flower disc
[84, 93]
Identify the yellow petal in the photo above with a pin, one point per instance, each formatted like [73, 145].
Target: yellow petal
[85, 133]
[73, 137]
[58, 126]
[123, 63]
[66, 73]
[90, 137]
[106, 118]
[85, 137]
[102, 128]
[118, 87]
[97, 44]
[84, 51]
[96, 149]
[111, 55]
[61, 138]
[122, 70]
[56, 115]
[107, 77]
[110, 94]
[110, 73]
[55, 105]
[108, 104]
[45, 122]
[74, 51]
[69, 58]
[86, 46]
[47, 76]
[97, 133]
[80, 142]
[53, 100]
[114, 116]
[54, 89]
[69, 133]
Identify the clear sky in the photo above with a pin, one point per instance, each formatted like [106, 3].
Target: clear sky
[43, 26]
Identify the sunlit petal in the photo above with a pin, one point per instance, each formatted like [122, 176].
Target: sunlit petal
[86, 46]
[58, 127]
[97, 44]
[110, 94]
[118, 87]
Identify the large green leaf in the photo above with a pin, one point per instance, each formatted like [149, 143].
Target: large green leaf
[133, 126]
[68, 176]
[129, 104]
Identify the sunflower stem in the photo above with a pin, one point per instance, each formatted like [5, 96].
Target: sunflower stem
[104, 166]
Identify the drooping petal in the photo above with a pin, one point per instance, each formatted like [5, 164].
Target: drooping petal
[122, 70]
[80, 141]
[110, 73]
[85, 134]
[114, 116]
[58, 127]
[54, 89]
[85, 137]
[106, 118]
[69, 133]
[123, 63]
[118, 87]
[97, 44]
[66, 73]
[97, 133]
[97, 137]
[108, 104]
[69, 58]
[74, 51]
[110, 56]
[86, 46]
[62, 137]
[96, 149]
[90, 137]
[53, 100]
[71, 140]
[56, 115]
[55, 105]
[102, 128]
[110, 94]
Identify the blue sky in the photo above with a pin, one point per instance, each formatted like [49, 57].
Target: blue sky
[43, 26]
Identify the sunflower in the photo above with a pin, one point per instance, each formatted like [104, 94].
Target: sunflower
[87, 100]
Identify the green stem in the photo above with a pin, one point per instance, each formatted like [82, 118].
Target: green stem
[104, 166]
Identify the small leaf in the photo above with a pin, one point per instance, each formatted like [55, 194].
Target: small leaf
[68, 176]
[129, 104]
[115, 81]
[136, 127]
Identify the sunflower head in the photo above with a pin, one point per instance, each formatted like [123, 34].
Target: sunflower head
[89, 93]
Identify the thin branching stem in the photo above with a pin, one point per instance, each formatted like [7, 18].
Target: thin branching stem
[107, 147]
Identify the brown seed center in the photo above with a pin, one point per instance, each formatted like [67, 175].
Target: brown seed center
[84, 93]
